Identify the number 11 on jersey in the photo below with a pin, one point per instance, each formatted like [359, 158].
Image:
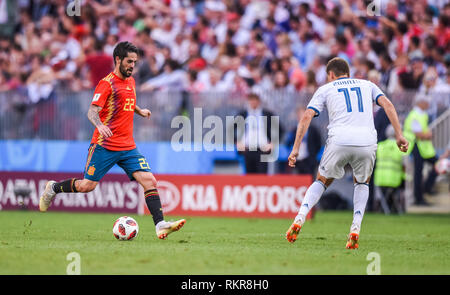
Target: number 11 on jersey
[348, 101]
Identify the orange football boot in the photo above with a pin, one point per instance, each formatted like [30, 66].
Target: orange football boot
[292, 232]
[352, 242]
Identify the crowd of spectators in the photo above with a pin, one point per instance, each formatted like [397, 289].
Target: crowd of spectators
[225, 45]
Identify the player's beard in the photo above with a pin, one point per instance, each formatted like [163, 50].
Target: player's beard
[124, 71]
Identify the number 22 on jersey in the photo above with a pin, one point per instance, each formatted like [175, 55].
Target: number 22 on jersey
[129, 105]
[348, 102]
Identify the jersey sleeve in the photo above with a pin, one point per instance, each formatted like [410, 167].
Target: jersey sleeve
[376, 93]
[317, 102]
[101, 93]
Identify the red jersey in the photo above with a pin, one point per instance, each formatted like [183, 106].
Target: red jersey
[117, 98]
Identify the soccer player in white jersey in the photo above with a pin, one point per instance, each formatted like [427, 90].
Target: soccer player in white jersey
[352, 139]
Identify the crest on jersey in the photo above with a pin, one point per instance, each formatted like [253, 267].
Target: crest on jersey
[91, 170]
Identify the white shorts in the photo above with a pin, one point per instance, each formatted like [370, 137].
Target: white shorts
[360, 158]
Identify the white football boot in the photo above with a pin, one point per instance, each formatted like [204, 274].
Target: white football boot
[47, 196]
[164, 228]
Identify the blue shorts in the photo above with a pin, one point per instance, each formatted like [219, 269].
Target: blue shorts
[100, 160]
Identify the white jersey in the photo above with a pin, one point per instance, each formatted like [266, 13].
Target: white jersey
[350, 110]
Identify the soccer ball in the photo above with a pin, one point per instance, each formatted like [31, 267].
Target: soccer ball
[442, 166]
[125, 228]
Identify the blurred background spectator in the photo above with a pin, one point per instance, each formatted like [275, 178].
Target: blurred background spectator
[416, 130]
[389, 175]
[237, 45]
[257, 138]
[307, 160]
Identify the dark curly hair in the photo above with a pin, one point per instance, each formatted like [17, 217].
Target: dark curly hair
[122, 49]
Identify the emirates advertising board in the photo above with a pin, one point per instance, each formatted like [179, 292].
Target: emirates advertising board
[278, 196]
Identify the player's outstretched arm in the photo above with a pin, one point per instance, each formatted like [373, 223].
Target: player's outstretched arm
[95, 120]
[142, 112]
[302, 126]
[391, 113]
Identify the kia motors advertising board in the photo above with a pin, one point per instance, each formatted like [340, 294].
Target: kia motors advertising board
[187, 195]
[232, 195]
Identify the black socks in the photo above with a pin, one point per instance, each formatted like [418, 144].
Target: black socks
[65, 186]
[154, 205]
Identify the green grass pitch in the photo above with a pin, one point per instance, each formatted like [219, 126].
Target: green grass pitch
[38, 243]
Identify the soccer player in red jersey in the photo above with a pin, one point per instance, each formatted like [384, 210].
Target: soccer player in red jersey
[111, 112]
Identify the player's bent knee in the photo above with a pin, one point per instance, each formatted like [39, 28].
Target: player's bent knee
[325, 181]
[151, 180]
[146, 179]
[355, 181]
